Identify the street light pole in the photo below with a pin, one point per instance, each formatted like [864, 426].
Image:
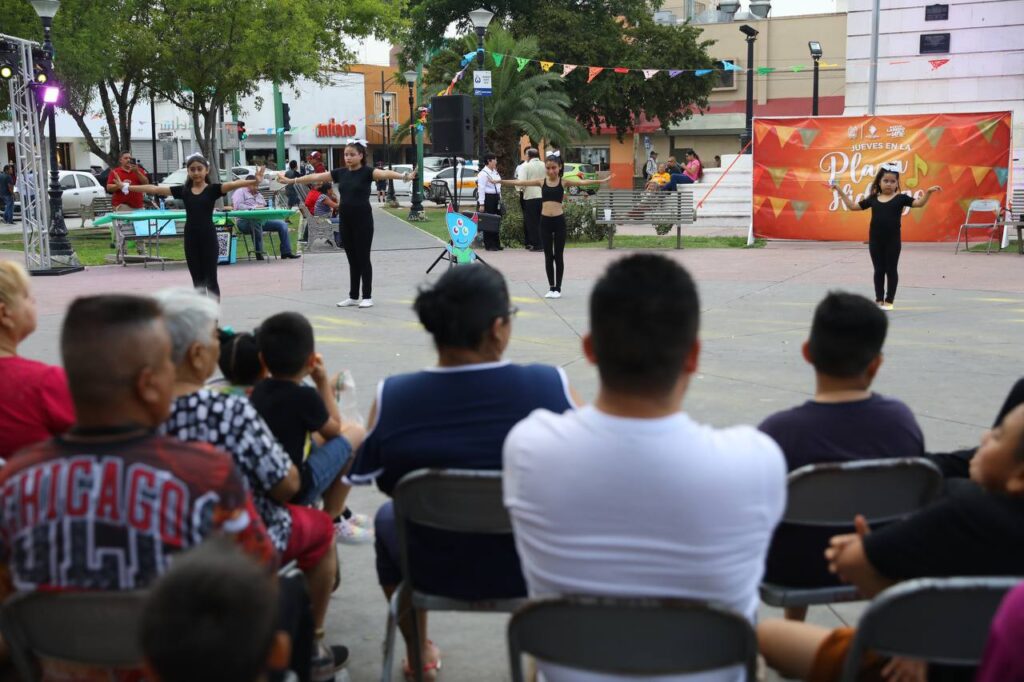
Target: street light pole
[815, 47]
[58, 231]
[480, 18]
[751, 34]
[416, 208]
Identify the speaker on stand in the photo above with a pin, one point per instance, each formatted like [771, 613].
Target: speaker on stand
[451, 125]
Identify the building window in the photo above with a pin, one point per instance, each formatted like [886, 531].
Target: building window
[384, 102]
[934, 43]
[595, 156]
[724, 80]
[936, 12]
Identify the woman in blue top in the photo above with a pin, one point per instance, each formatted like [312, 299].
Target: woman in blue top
[354, 183]
[199, 198]
[884, 244]
[455, 415]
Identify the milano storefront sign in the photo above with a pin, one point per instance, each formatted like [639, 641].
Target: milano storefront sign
[334, 129]
[968, 155]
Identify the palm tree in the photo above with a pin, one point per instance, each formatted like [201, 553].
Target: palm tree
[528, 102]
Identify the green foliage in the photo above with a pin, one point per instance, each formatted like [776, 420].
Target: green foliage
[580, 225]
[664, 228]
[607, 33]
[513, 227]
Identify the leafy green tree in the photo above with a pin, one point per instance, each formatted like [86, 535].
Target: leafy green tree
[523, 103]
[609, 33]
[211, 52]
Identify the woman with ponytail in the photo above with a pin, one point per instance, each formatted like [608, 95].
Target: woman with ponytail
[455, 415]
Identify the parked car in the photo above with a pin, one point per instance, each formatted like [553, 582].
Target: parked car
[80, 188]
[581, 171]
[467, 180]
[178, 177]
[269, 177]
[402, 187]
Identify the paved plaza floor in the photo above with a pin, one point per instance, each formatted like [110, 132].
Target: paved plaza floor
[954, 349]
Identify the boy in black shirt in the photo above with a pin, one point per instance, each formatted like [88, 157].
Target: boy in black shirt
[977, 530]
[294, 411]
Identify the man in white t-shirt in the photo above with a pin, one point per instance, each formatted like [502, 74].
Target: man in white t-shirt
[630, 496]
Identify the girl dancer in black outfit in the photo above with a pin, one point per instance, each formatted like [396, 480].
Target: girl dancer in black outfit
[884, 245]
[199, 197]
[552, 218]
[354, 183]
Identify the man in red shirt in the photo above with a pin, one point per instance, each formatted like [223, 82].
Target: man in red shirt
[127, 172]
[318, 163]
[108, 505]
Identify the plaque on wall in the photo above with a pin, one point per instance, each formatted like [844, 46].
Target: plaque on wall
[934, 43]
[936, 12]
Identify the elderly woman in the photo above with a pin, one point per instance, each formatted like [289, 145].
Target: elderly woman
[35, 403]
[455, 415]
[231, 423]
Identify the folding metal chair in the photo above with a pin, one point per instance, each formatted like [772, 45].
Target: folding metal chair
[631, 636]
[975, 207]
[93, 628]
[831, 495]
[457, 500]
[938, 620]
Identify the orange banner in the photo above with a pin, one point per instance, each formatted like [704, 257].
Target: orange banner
[968, 155]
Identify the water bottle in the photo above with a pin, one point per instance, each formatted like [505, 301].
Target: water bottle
[270, 202]
[163, 207]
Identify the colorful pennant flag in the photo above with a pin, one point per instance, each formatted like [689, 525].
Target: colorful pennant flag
[799, 207]
[956, 171]
[1001, 174]
[522, 62]
[979, 173]
[798, 68]
[594, 71]
[763, 70]
[567, 69]
[807, 135]
[498, 58]
[546, 66]
[650, 73]
[934, 134]
[702, 72]
[988, 128]
[729, 66]
[826, 65]
[778, 175]
[672, 73]
[620, 69]
[778, 204]
[936, 63]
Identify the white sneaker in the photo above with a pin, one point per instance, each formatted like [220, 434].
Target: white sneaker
[366, 303]
[347, 303]
[360, 521]
[886, 306]
[550, 294]
[347, 534]
[556, 294]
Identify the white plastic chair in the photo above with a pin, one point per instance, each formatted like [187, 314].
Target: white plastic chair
[980, 206]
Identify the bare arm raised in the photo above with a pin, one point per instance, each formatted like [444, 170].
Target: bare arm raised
[847, 201]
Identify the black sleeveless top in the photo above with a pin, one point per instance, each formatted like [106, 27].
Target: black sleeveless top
[556, 193]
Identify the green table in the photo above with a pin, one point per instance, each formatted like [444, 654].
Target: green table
[163, 216]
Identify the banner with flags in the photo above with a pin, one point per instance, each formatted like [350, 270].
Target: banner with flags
[968, 155]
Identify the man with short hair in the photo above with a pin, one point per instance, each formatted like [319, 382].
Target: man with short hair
[533, 170]
[107, 506]
[129, 173]
[703, 502]
[845, 421]
[651, 167]
[292, 191]
[7, 193]
[249, 199]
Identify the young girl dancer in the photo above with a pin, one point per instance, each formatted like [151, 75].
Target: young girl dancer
[552, 219]
[199, 197]
[354, 183]
[886, 204]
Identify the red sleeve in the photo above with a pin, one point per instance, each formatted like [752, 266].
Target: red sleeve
[55, 401]
[236, 516]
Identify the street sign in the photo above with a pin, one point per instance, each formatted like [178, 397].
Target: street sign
[482, 83]
[169, 135]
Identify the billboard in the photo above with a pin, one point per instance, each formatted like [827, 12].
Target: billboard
[968, 155]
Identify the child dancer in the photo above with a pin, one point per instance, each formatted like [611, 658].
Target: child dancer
[886, 204]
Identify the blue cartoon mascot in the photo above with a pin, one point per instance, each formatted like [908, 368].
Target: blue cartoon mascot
[462, 230]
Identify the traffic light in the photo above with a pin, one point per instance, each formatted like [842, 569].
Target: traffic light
[241, 130]
[286, 117]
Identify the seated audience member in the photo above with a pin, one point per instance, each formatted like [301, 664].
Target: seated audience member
[34, 399]
[296, 412]
[213, 618]
[455, 415]
[231, 423]
[239, 362]
[976, 530]
[703, 502]
[326, 206]
[250, 199]
[957, 464]
[656, 180]
[844, 421]
[311, 197]
[1004, 656]
[135, 498]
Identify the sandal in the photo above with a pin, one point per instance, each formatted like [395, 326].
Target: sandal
[430, 670]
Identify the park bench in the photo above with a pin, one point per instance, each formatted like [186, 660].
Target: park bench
[640, 207]
[100, 206]
[319, 231]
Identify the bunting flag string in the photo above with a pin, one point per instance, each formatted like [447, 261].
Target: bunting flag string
[650, 73]
[594, 70]
[497, 58]
[546, 66]
[522, 62]
[567, 69]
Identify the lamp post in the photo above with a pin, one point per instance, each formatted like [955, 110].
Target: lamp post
[416, 208]
[480, 18]
[815, 47]
[751, 34]
[58, 231]
[391, 200]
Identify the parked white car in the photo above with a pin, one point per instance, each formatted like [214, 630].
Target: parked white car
[80, 188]
[466, 180]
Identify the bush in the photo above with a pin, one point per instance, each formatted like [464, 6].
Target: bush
[513, 229]
[579, 222]
[664, 228]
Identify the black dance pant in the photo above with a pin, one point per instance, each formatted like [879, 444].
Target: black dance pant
[357, 236]
[492, 240]
[885, 256]
[531, 222]
[552, 235]
[202, 254]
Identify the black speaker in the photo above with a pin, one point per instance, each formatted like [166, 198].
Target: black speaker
[451, 127]
[489, 223]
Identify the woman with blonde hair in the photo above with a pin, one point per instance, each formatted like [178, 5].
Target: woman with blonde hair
[35, 402]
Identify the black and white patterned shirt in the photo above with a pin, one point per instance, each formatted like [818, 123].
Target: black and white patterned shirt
[231, 423]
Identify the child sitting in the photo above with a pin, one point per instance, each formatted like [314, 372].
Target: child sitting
[295, 411]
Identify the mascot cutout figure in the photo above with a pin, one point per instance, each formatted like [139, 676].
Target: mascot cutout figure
[462, 230]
